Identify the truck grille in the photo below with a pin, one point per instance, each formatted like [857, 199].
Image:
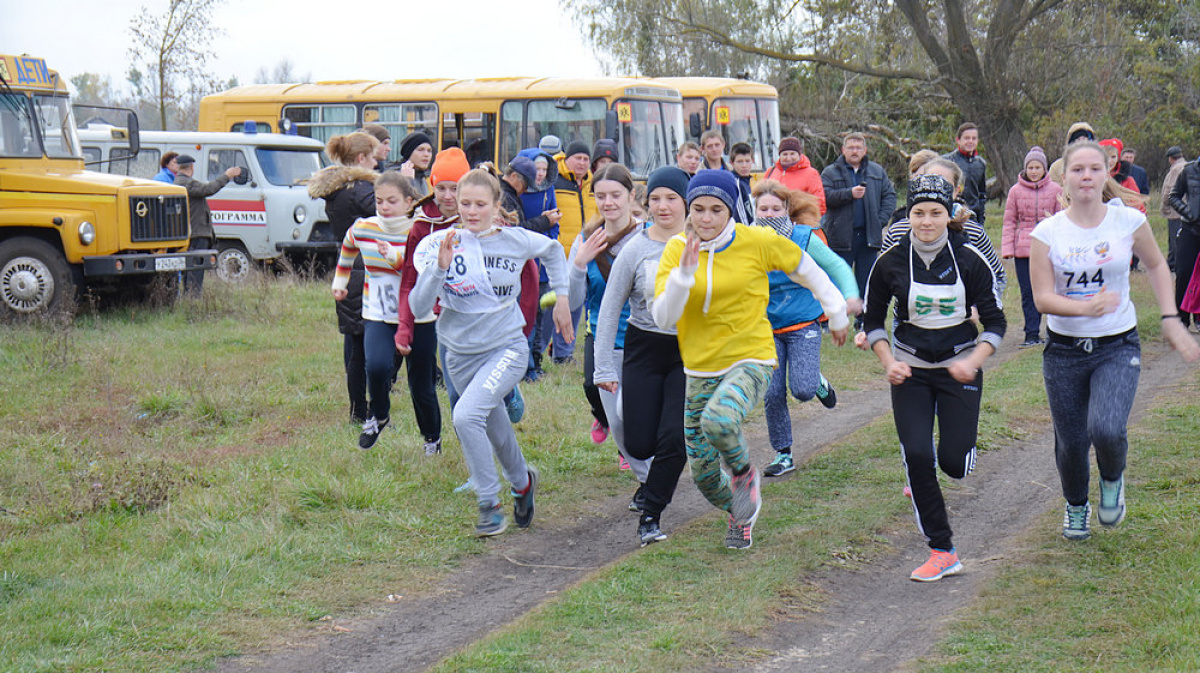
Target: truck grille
[158, 218]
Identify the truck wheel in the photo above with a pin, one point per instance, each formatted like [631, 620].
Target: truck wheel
[34, 278]
[233, 263]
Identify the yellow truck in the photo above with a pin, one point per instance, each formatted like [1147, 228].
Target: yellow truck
[63, 228]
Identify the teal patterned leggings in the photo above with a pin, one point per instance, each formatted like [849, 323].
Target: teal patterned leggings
[713, 413]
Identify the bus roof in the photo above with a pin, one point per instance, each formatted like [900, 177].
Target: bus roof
[30, 72]
[275, 140]
[449, 89]
[715, 87]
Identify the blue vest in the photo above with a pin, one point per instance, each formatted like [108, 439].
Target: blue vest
[792, 303]
[595, 294]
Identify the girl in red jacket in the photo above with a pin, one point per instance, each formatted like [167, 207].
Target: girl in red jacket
[1034, 198]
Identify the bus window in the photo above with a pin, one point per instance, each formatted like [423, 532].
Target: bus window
[768, 111]
[58, 126]
[675, 128]
[16, 127]
[737, 120]
[91, 155]
[221, 160]
[400, 119]
[642, 142]
[322, 121]
[512, 125]
[569, 119]
[694, 108]
[144, 165]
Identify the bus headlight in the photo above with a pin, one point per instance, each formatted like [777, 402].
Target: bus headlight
[300, 214]
[87, 233]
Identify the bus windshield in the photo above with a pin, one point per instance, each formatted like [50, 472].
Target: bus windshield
[737, 118]
[58, 127]
[287, 167]
[643, 144]
[17, 138]
[573, 120]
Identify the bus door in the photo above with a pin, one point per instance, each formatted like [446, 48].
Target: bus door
[474, 132]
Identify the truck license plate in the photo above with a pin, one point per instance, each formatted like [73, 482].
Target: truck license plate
[170, 264]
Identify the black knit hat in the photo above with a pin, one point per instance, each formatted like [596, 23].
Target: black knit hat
[673, 178]
[931, 188]
[577, 147]
[411, 142]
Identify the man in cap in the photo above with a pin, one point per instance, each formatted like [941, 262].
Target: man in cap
[199, 213]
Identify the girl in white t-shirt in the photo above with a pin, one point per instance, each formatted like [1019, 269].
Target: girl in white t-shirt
[1079, 268]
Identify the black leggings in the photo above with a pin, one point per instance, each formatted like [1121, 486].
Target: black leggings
[354, 359]
[915, 403]
[422, 363]
[589, 384]
[1187, 247]
[652, 391]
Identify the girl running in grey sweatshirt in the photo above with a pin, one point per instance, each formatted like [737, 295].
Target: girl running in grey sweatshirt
[476, 272]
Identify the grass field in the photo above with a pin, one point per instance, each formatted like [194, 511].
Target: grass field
[180, 484]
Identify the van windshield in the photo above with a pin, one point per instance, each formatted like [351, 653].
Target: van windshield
[288, 166]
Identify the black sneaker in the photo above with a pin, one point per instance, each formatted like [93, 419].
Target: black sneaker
[638, 502]
[370, 432]
[648, 530]
[1031, 341]
[523, 504]
[826, 394]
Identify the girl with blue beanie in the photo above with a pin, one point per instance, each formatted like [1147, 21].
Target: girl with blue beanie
[649, 369]
[712, 286]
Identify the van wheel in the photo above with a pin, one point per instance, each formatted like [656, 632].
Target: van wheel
[233, 263]
[34, 278]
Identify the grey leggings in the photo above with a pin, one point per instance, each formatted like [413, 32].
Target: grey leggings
[482, 380]
[1090, 395]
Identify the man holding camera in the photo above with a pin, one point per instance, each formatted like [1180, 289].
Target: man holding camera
[199, 213]
[860, 198]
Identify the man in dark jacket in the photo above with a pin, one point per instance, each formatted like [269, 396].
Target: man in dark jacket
[520, 175]
[199, 213]
[1136, 172]
[860, 198]
[974, 169]
[1185, 199]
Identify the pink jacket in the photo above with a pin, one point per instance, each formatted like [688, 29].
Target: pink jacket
[1028, 203]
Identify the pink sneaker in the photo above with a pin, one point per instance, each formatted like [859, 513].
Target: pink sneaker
[599, 433]
[622, 463]
[907, 492]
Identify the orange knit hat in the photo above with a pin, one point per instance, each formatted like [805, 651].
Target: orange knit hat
[449, 166]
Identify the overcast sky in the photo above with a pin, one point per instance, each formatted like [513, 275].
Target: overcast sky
[341, 40]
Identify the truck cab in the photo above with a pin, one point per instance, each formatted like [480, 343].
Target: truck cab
[257, 217]
[62, 227]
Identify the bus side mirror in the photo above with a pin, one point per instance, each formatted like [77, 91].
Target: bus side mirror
[611, 125]
[694, 126]
[134, 131]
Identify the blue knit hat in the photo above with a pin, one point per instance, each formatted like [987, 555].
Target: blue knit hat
[714, 182]
[673, 178]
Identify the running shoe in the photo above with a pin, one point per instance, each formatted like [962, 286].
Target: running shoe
[747, 496]
[599, 433]
[638, 502]
[826, 395]
[1075, 521]
[648, 530]
[1112, 502]
[622, 464]
[523, 502]
[739, 536]
[940, 564]
[1031, 341]
[370, 432]
[491, 521]
[908, 491]
[515, 406]
[433, 448]
[782, 464]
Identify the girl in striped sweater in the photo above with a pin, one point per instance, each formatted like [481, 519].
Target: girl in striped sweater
[380, 240]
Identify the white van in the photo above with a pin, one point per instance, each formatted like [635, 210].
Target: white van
[257, 217]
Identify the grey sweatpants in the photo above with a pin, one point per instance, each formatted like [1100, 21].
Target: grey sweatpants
[480, 420]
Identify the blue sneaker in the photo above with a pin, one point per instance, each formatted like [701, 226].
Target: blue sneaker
[491, 521]
[515, 405]
[1112, 502]
[523, 503]
[1075, 521]
[826, 395]
[782, 464]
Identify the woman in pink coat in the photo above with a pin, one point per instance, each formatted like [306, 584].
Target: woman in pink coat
[1034, 198]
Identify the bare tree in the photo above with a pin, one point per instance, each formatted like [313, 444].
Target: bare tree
[172, 49]
[284, 72]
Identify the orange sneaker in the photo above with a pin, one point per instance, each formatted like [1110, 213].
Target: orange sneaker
[940, 564]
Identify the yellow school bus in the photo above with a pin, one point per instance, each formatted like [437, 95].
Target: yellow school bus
[490, 119]
[63, 227]
[744, 112]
